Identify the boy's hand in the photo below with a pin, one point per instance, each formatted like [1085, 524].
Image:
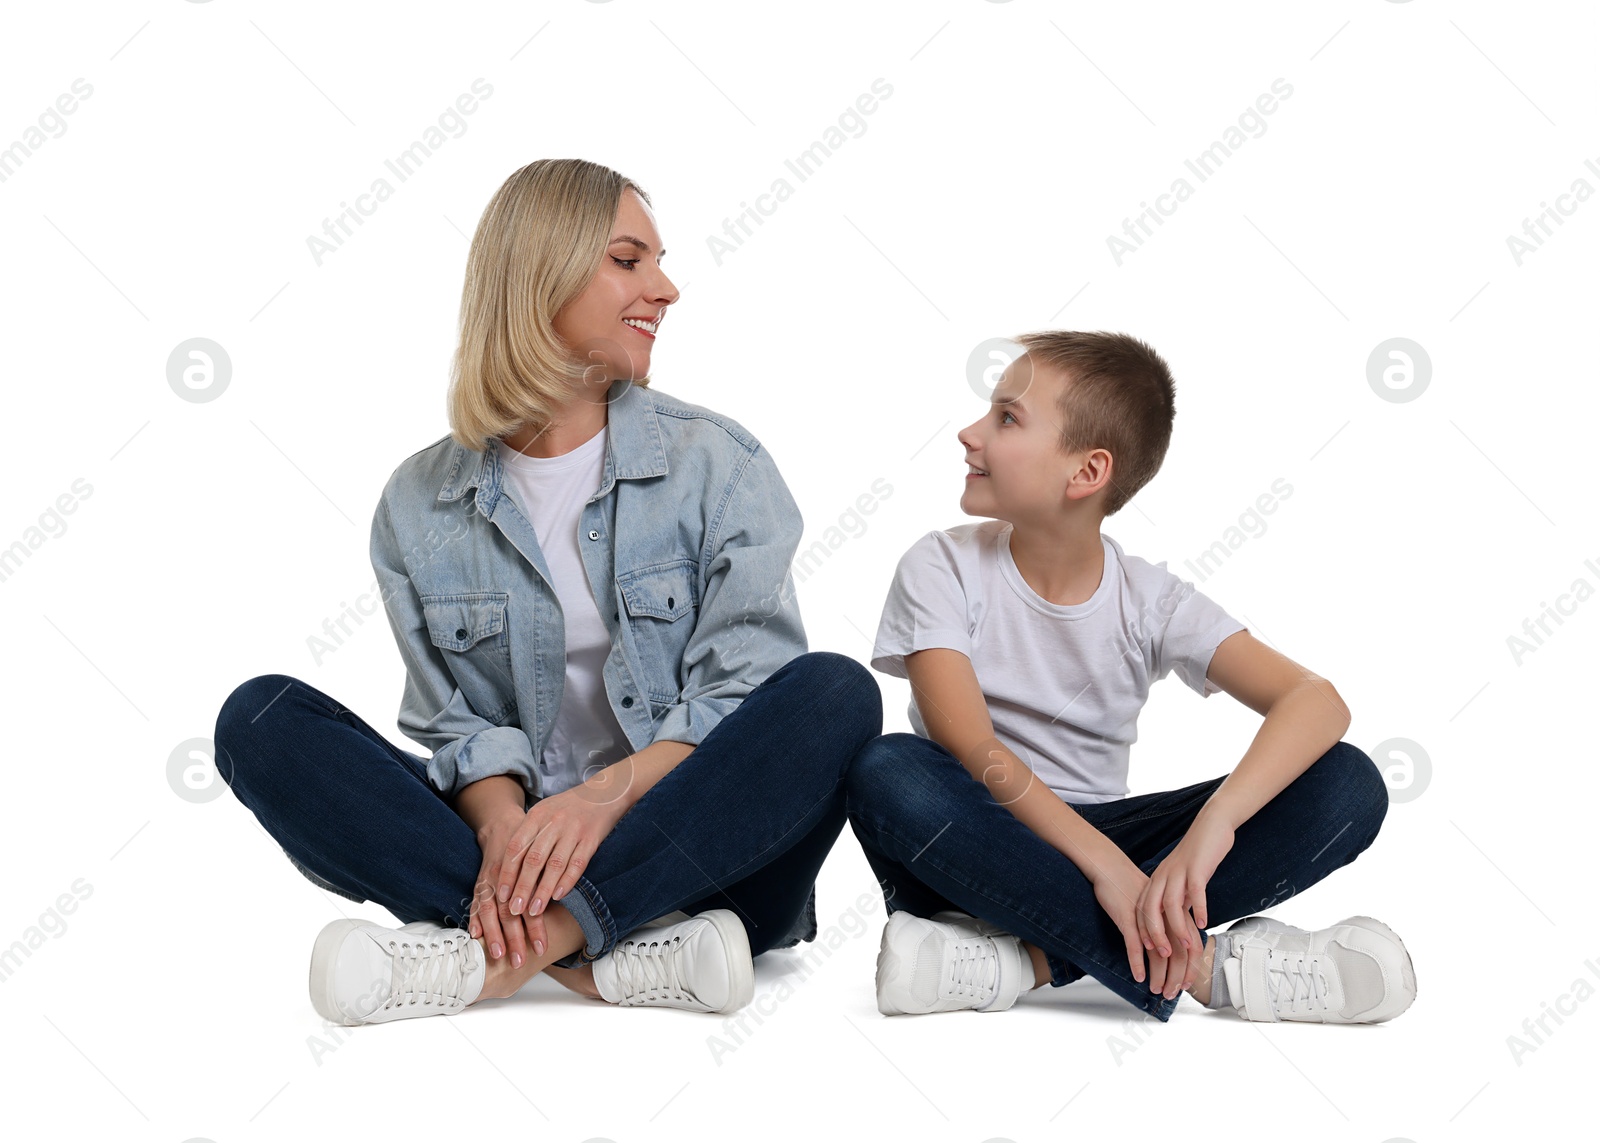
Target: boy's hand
[1177, 885]
[1119, 886]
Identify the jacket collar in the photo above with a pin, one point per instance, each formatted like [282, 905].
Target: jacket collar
[633, 450]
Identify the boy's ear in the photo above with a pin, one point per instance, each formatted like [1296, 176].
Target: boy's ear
[1093, 473]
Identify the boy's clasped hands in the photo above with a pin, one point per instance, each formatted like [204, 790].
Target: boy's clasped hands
[1153, 912]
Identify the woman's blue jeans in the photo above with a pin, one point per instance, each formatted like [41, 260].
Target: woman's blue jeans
[743, 823]
[937, 839]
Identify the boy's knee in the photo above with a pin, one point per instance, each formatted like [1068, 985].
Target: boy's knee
[880, 768]
[1363, 789]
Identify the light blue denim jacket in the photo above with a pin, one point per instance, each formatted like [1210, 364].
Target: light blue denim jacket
[687, 543]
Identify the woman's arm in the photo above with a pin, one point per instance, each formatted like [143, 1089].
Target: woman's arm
[629, 779]
[482, 803]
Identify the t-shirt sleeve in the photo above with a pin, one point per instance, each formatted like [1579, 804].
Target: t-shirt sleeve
[1190, 636]
[926, 607]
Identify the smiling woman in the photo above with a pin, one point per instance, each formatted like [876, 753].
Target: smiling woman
[619, 611]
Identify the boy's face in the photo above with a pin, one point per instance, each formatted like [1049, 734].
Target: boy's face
[1017, 446]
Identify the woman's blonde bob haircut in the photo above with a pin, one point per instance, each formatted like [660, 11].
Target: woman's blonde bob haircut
[539, 242]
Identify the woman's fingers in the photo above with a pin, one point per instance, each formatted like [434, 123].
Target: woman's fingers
[523, 861]
[565, 859]
[536, 934]
[488, 914]
[516, 940]
[540, 848]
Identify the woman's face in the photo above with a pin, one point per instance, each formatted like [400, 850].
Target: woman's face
[629, 286]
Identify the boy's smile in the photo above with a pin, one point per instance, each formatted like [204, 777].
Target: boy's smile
[1016, 469]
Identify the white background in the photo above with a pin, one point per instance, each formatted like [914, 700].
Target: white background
[1421, 534]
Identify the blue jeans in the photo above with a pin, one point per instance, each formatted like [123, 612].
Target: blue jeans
[937, 839]
[743, 823]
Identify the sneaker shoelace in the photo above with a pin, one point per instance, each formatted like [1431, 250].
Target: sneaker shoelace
[433, 971]
[974, 968]
[648, 970]
[1297, 982]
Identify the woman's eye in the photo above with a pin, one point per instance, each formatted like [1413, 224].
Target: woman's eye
[1003, 417]
[626, 263]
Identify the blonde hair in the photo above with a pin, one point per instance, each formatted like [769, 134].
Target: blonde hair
[1118, 396]
[538, 244]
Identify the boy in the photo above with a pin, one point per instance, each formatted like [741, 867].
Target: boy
[1001, 833]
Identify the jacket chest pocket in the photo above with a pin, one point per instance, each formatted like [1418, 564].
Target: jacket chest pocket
[662, 604]
[469, 629]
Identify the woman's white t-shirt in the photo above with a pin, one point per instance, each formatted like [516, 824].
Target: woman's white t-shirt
[1064, 683]
[551, 491]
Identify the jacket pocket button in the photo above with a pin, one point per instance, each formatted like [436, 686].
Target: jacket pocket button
[616, 615]
[461, 632]
[669, 603]
[627, 700]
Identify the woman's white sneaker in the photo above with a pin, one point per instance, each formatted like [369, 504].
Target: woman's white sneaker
[946, 963]
[364, 973]
[702, 964]
[1354, 972]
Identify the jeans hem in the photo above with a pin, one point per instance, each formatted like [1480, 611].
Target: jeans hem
[599, 930]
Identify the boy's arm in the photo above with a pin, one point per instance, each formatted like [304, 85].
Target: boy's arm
[953, 710]
[1303, 717]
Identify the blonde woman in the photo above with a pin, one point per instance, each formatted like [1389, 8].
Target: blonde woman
[634, 768]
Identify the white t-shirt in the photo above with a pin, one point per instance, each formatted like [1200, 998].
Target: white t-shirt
[1064, 684]
[551, 491]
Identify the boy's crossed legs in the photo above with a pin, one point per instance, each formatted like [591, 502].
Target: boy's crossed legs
[938, 841]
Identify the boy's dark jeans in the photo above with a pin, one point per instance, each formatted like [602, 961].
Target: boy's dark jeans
[937, 839]
[743, 823]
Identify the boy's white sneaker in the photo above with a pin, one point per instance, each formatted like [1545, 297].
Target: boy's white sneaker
[946, 963]
[365, 973]
[701, 964]
[1354, 972]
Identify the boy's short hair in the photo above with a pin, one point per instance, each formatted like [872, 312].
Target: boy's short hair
[1118, 396]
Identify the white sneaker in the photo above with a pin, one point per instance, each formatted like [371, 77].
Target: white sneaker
[702, 964]
[946, 963]
[1354, 972]
[364, 973]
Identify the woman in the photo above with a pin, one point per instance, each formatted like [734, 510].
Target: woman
[589, 584]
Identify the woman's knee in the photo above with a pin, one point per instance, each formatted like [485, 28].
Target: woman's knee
[840, 687]
[245, 712]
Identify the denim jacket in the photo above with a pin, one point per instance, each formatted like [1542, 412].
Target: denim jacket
[687, 543]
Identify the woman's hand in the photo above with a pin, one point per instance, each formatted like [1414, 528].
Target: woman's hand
[501, 932]
[552, 846]
[1177, 885]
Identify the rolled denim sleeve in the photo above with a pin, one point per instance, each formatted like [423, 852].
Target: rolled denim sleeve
[465, 747]
[749, 621]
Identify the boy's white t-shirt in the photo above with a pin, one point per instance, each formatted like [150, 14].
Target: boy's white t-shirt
[1064, 684]
[552, 491]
